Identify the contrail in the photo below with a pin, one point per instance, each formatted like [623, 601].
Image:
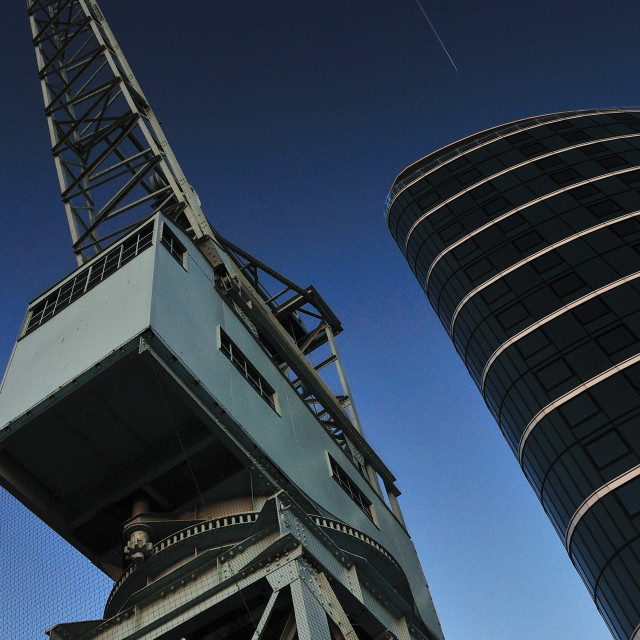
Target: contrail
[424, 13]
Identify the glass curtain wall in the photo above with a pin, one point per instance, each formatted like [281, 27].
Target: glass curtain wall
[526, 240]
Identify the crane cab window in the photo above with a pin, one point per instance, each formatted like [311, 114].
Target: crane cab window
[170, 241]
[88, 277]
[242, 364]
[350, 488]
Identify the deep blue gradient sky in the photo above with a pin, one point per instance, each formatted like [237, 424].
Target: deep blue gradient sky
[292, 119]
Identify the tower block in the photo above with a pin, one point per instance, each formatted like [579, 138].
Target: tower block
[526, 239]
[147, 417]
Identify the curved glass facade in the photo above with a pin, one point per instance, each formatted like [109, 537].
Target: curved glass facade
[526, 240]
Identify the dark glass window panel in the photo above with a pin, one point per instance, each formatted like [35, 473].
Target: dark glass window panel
[474, 219]
[505, 181]
[616, 339]
[629, 496]
[547, 261]
[633, 374]
[564, 177]
[457, 164]
[561, 125]
[615, 396]
[482, 191]
[532, 149]
[631, 178]
[495, 206]
[511, 222]
[528, 241]
[624, 117]
[478, 269]
[468, 176]
[607, 449]
[553, 374]
[564, 330]
[567, 284]
[584, 191]
[519, 138]
[510, 317]
[436, 218]
[532, 343]
[494, 291]
[630, 431]
[448, 190]
[541, 302]
[490, 238]
[587, 360]
[462, 204]
[463, 250]
[611, 162]
[506, 255]
[575, 136]
[519, 194]
[427, 202]
[452, 231]
[548, 162]
[578, 409]
[577, 252]
[521, 280]
[590, 310]
[626, 227]
[595, 149]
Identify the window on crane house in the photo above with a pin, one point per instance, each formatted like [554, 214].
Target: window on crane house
[253, 377]
[85, 279]
[170, 241]
[350, 488]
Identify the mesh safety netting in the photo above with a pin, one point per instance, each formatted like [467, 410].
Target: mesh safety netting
[43, 580]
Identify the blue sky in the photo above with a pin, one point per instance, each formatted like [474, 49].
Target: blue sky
[292, 119]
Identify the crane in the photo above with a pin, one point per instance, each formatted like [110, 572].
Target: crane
[115, 168]
[205, 465]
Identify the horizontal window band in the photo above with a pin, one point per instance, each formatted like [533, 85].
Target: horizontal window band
[505, 171]
[522, 207]
[548, 318]
[99, 268]
[530, 258]
[597, 495]
[499, 133]
[552, 406]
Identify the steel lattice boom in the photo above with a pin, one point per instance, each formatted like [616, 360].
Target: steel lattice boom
[114, 164]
